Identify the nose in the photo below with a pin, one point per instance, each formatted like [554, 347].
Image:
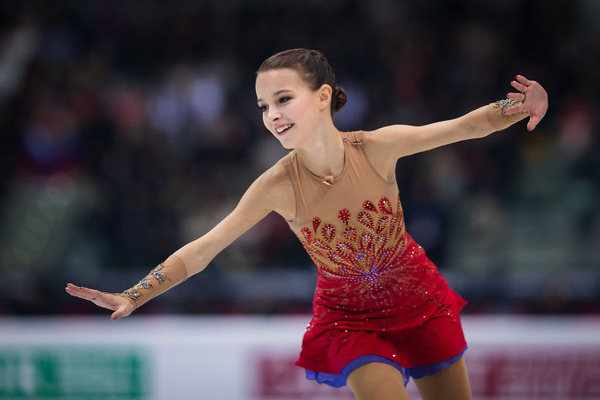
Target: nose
[273, 114]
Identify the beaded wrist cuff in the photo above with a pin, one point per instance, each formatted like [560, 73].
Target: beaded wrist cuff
[498, 119]
[166, 275]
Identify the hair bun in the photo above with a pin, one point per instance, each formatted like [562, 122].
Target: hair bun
[338, 99]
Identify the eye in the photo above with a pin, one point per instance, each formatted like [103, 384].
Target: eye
[262, 108]
[284, 99]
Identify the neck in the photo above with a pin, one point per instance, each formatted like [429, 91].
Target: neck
[324, 155]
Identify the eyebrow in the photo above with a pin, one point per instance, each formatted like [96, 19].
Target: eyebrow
[277, 93]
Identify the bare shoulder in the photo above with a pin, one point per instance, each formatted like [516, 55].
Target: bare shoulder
[397, 141]
[387, 141]
[387, 135]
[381, 146]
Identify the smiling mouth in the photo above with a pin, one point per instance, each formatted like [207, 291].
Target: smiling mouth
[283, 128]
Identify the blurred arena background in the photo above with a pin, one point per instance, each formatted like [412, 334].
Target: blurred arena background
[130, 128]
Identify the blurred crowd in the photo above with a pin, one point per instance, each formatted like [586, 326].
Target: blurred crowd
[128, 128]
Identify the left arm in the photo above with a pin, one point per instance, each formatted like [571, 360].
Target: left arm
[388, 144]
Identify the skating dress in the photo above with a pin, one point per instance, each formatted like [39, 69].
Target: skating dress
[378, 296]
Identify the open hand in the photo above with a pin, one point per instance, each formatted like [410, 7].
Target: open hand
[533, 98]
[120, 305]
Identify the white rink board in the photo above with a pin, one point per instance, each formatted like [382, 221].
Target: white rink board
[252, 358]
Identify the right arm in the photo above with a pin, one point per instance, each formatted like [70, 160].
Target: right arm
[272, 191]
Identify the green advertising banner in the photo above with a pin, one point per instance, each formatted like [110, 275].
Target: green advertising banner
[73, 372]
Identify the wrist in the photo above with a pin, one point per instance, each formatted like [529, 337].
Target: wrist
[167, 274]
[497, 117]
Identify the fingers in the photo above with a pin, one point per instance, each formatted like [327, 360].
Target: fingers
[516, 96]
[533, 121]
[533, 98]
[517, 108]
[81, 292]
[521, 84]
[523, 80]
[121, 306]
[120, 313]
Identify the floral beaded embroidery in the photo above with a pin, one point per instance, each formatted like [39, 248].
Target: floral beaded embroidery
[316, 222]
[344, 216]
[385, 205]
[369, 244]
[135, 293]
[365, 254]
[367, 205]
[159, 277]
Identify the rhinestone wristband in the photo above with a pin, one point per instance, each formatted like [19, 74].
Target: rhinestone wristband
[496, 116]
[167, 274]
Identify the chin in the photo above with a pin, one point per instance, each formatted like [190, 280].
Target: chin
[288, 146]
[287, 143]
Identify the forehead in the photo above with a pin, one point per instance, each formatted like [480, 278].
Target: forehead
[274, 80]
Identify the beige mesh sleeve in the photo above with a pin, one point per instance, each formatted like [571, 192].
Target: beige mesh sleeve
[498, 119]
[162, 278]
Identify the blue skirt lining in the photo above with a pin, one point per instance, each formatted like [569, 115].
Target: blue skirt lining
[340, 379]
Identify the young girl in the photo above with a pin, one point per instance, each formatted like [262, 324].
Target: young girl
[382, 312]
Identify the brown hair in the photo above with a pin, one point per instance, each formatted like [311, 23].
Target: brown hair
[313, 67]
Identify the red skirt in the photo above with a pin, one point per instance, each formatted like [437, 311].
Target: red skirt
[332, 353]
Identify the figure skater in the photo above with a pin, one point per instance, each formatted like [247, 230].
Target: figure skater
[382, 313]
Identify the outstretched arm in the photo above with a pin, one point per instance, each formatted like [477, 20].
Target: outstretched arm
[393, 142]
[272, 191]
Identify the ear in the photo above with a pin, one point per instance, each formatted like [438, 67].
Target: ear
[325, 92]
